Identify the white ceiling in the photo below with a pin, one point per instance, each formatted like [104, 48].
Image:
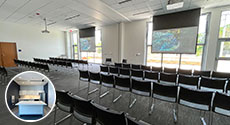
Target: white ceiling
[30, 78]
[92, 12]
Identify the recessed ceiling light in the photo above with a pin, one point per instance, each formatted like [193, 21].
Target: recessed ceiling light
[125, 1]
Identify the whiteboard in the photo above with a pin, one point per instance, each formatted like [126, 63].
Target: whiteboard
[178, 40]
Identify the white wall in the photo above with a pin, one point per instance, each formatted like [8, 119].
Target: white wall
[124, 41]
[32, 42]
[110, 41]
[134, 41]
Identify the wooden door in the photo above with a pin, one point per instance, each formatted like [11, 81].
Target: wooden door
[8, 54]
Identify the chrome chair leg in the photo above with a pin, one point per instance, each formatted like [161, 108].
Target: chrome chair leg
[55, 111]
[151, 105]
[105, 93]
[133, 102]
[175, 113]
[202, 118]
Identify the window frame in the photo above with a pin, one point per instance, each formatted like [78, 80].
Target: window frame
[73, 45]
[219, 41]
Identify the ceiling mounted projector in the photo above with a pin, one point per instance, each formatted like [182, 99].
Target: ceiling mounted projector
[175, 4]
[45, 31]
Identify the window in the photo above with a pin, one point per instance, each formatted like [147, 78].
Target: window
[94, 57]
[186, 61]
[223, 57]
[75, 45]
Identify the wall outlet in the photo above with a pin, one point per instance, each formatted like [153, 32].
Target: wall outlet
[138, 54]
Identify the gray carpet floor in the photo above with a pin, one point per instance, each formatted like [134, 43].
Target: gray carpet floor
[68, 79]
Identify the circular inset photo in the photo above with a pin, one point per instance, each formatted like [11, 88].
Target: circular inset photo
[30, 96]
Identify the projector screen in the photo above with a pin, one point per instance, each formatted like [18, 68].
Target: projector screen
[179, 40]
[88, 44]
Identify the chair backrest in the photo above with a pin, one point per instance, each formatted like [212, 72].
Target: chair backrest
[184, 72]
[118, 65]
[137, 73]
[165, 92]
[135, 66]
[122, 82]
[158, 69]
[108, 60]
[141, 86]
[168, 77]
[83, 74]
[108, 117]
[4, 71]
[143, 67]
[202, 73]
[124, 65]
[151, 75]
[212, 83]
[170, 70]
[113, 70]
[63, 98]
[104, 68]
[132, 121]
[220, 74]
[107, 79]
[83, 107]
[124, 60]
[94, 76]
[195, 96]
[221, 101]
[188, 80]
[228, 87]
[124, 71]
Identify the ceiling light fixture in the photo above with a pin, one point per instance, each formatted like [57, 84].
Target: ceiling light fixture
[51, 23]
[175, 4]
[125, 1]
[45, 31]
[69, 18]
[141, 13]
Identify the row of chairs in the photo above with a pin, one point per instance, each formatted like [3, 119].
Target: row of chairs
[3, 74]
[32, 65]
[70, 60]
[214, 74]
[197, 99]
[54, 62]
[196, 82]
[89, 112]
[174, 70]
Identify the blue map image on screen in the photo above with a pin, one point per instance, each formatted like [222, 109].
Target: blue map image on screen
[165, 41]
[85, 44]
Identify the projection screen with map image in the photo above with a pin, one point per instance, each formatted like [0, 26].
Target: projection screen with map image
[88, 44]
[180, 40]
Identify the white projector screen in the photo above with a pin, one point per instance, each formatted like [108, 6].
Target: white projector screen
[179, 40]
